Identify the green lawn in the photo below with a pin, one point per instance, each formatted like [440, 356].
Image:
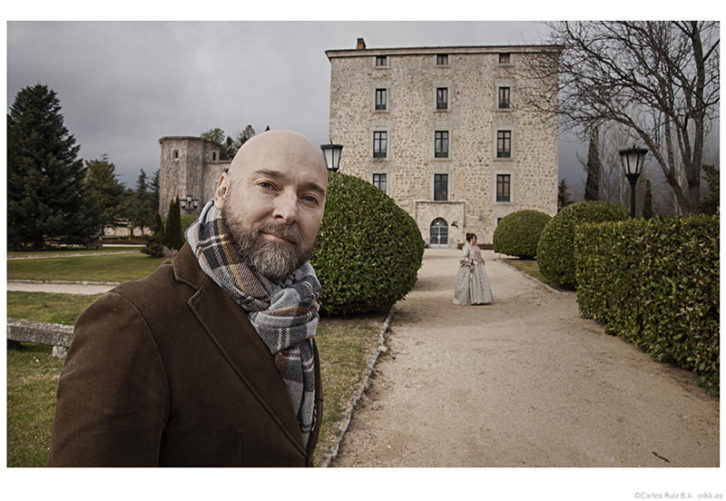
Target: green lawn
[71, 250]
[531, 268]
[111, 268]
[46, 307]
[31, 385]
[345, 346]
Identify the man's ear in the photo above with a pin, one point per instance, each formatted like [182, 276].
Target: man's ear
[220, 194]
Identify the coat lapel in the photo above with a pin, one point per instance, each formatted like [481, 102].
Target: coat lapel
[228, 327]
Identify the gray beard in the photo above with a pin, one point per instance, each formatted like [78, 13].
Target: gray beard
[274, 260]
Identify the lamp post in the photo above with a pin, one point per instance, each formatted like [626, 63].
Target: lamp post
[332, 152]
[189, 204]
[632, 161]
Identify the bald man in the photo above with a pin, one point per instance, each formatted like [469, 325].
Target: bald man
[211, 359]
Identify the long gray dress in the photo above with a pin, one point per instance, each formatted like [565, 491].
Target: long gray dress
[472, 283]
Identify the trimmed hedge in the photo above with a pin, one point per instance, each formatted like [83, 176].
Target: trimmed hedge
[655, 283]
[368, 250]
[518, 233]
[555, 249]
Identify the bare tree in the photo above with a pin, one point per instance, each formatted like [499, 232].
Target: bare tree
[658, 79]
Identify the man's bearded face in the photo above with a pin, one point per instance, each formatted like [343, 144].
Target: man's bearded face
[273, 259]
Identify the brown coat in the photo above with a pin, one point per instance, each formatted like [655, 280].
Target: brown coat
[168, 371]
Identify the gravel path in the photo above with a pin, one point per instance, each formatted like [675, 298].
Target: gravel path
[520, 383]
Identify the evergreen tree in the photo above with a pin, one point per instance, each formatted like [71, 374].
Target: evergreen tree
[104, 190]
[244, 136]
[592, 185]
[563, 195]
[154, 192]
[45, 184]
[648, 211]
[710, 204]
[173, 232]
[142, 206]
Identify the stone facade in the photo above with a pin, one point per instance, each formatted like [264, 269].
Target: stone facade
[464, 98]
[190, 166]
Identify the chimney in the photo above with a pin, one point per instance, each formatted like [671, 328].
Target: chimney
[361, 44]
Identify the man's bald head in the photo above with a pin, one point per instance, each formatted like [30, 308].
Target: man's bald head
[289, 145]
[273, 200]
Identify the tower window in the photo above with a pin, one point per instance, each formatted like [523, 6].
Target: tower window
[442, 98]
[441, 186]
[441, 144]
[504, 143]
[381, 99]
[380, 144]
[504, 188]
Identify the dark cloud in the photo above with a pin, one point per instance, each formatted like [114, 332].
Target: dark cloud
[122, 85]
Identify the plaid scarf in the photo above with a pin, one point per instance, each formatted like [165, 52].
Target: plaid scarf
[284, 314]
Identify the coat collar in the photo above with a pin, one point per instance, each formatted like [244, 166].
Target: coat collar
[230, 330]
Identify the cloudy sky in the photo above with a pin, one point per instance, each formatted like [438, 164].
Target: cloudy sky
[123, 85]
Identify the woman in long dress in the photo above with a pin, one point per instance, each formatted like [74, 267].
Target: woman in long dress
[472, 283]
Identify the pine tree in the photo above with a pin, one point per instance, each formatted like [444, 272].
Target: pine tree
[648, 211]
[563, 194]
[173, 233]
[142, 204]
[46, 192]
[592, 185]
[104, 190]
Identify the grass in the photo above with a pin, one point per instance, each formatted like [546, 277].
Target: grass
[32, 378]
[345, 346]
[111, 268]
[531, 268]
[69, 250]
[46, 307]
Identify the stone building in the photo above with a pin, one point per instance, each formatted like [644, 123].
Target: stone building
[190, 168]
[455, 135]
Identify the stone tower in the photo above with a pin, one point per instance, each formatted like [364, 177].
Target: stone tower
[190, 166]
[447, 132]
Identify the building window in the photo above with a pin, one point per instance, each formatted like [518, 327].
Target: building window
[442, 98]
[441, 186]
[381, 99]
[442, 59]
[214, 155]
[380, 146]
[381, 61]
[504, 143]
[504, 98]
[441, 144]
[504, 58]
[504, 188]
[379, 181]
[175, 154]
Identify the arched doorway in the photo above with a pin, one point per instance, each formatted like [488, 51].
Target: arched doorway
[439, 233]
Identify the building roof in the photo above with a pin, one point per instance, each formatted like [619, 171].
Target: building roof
[187, 138]
[456, 49]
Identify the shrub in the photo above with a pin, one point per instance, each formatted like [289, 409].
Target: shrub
[368, 250]
[655, 283]
[173, 236]
[555, 254]
[518, 233]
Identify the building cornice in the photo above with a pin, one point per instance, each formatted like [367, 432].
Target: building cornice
[186, 138]
[460, 49]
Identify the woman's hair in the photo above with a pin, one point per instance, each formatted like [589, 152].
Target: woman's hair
[469, 236]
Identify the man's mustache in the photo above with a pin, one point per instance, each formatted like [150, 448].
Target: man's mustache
[287, 232]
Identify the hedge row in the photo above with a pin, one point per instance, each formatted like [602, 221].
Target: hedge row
[555, 249]
[655, 283]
